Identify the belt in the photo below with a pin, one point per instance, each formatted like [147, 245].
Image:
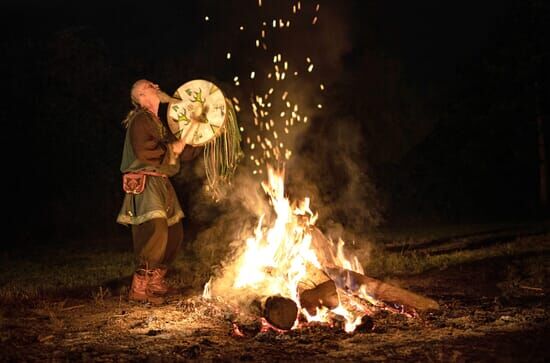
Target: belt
[152, 173]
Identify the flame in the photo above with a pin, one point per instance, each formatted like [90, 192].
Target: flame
[207, 292]
[275, 259]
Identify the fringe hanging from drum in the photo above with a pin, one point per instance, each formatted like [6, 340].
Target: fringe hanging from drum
[222, 155]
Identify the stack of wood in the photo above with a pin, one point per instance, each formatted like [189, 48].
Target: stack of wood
[327, 287]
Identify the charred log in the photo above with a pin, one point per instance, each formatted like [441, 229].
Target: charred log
[280, 312]
[366, 325]
[323, 295]
[352, 282]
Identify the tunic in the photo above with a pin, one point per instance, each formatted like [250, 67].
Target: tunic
[146, 149]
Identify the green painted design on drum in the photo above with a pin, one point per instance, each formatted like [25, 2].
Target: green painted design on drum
[214, 127]
[195, 96]
[197, 136]
[182, 117]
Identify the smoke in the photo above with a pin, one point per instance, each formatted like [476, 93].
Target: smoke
[331, 169]
[325, 154]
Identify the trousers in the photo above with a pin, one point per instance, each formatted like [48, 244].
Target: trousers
[155, 244]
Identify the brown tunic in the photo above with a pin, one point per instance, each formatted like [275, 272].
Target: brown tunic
[146, 147]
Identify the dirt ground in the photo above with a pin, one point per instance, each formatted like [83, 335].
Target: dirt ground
[494, 310]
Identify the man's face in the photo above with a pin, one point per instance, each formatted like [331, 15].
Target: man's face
[147, 88]
[146, 93]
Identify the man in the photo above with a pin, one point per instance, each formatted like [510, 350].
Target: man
[150, 156]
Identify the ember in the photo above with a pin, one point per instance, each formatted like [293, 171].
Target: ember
[299, 276]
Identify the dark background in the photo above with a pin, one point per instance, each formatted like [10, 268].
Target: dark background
[430, 109]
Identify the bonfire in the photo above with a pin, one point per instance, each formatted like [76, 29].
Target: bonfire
[296, 276]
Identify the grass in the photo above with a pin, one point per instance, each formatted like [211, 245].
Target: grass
[93, 269]
[49, 270]
[382, 263]
[86, 269]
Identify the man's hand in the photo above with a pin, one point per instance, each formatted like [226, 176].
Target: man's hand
[165, 98]
[178, 146]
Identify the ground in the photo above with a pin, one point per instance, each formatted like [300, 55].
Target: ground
[493, 309]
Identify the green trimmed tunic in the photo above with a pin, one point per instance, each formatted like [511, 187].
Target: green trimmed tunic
[146, 147]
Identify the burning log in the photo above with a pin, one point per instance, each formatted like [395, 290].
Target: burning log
[323, 295]
[353, 282]
[280, 312]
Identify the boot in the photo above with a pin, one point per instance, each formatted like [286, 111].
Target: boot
[158, 285]
[139, 289]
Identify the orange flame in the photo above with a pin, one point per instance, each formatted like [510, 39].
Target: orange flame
[275, 259]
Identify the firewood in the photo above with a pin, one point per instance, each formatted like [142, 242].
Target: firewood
[280, 312]
[323, 295]
[324, 248]
[366, 325]
[352, 281]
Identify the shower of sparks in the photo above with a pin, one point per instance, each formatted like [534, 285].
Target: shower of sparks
[273, 102]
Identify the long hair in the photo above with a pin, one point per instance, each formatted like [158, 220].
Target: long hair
[130, 115]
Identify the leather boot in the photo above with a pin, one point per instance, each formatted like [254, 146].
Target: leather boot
[158, 285]
[139, 290]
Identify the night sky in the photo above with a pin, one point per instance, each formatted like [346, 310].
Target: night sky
[428, 113]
